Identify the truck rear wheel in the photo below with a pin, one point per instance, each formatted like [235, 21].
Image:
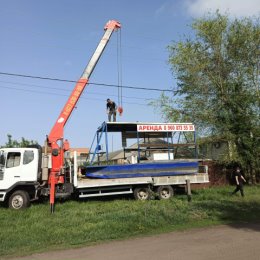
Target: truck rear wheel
[19, 200]
[142, 193]
[165, 192]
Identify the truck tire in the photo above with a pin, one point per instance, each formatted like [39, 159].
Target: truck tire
[19, 200]
[142, 193]
[165, 192]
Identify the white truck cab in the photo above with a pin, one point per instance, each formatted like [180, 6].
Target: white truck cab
[19, 173]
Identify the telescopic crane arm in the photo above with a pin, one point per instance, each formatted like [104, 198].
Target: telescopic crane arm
[56, 135]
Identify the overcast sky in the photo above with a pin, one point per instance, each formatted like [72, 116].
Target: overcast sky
[56, 39]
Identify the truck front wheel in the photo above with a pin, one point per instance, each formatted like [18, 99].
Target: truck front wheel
[142, 193]
[19, 200]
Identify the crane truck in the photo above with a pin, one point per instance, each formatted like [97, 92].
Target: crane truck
[27, 174]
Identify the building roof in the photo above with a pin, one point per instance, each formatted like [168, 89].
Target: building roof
[80, 150]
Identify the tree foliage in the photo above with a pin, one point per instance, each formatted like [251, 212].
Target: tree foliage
[14, 143]
[218, 82]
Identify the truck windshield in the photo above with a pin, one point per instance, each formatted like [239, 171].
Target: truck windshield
[2, 159]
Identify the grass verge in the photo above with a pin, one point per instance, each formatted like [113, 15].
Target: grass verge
[80, 223]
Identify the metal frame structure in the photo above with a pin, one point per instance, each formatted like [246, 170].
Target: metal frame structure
[130, 130]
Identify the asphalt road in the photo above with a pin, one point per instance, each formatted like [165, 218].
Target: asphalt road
[240, 242]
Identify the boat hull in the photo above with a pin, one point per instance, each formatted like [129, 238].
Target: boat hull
[153, 169]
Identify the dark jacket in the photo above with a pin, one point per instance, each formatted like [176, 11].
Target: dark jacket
[111, 106]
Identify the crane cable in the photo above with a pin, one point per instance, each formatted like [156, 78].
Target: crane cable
[119, 74]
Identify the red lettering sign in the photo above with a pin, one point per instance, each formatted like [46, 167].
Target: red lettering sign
[186, 127]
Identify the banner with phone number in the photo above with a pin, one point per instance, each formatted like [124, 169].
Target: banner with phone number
[166, 128]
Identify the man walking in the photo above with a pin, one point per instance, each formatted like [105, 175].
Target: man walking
[111, 110]
[239, 182]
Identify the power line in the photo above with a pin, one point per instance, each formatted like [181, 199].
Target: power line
[57, 94]
[69, 90]
[90, 83]
[123, 86]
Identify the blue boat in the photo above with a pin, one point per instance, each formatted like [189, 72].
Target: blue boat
[151, 169]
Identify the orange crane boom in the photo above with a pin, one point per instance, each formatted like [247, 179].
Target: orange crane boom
[55, 139]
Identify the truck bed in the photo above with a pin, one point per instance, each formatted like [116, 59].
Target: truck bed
[86, 182]
[88, 187]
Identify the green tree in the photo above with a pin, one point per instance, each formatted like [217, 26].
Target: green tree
[218, 82]
[14, 143]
